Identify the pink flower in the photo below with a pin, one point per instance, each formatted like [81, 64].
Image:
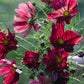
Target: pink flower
[25, 19]
[31, 59]
[11, 70]
[64, 13]
[7, 43]
[66, 40]
[56, 60]
[41, 79]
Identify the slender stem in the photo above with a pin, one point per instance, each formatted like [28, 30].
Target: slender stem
[42, 11]
[26, 41]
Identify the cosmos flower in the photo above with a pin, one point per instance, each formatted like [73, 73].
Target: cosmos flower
[25, 19]
[42, 80]
[64, 13]
[7, 43]
[56, 60]
[31, 59]
[11, 71]
[66, 40]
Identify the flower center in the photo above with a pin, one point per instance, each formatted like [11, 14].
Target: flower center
[34, 60]
[5, 41]
[59, 60]
[60, 41]
[51, 0]
[31, 21]
[66, 13]
[14, 69]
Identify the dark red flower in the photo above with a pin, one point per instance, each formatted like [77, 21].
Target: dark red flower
[58, 4]
[64, 13]
[11, 70]
[56, 60]
[66, 40]
[7, 43]
[31, 59]
[25, 19]
[60, 77]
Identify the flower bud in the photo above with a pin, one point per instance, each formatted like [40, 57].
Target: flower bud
[42, 44]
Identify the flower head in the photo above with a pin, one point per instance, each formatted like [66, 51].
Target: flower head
[25, 19]
[11, 70]
[66, 40]
[7, 43]
[65, 12]
[31, 59]
[56, 60]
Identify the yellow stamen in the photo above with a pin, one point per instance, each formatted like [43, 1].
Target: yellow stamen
[66, 13]
[59, 60]
[5, 41]
[60, 41]
[14, 69]
[51, 0]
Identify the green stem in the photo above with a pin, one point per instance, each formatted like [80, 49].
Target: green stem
[42, 11]
[26, 41]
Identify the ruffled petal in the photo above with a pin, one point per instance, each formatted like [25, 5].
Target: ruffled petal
[20, 12]
[54, 15]
[71, 37]
[4, 70]
[19, 23]
[8, 78]
[20, 19]
[20, 29]
[24, 7]
[5, 62]
[31, 7]
[72, 4]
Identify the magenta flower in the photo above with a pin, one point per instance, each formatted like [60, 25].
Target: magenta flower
[31, 59]
[42, 80]
[11, 70]
[7, 43]
[25, 19]
[56, 60]
[66, 40]
[64, 13]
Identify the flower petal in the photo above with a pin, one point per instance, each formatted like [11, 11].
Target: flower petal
[20, 29]
[20, 19]
[71, 37]
[19, 23]
[24, 7]
[5, 62]
[4, 70]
